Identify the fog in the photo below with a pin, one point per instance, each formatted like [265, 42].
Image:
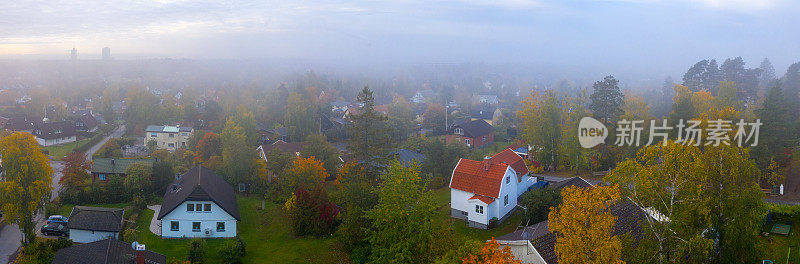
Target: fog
[639, 41]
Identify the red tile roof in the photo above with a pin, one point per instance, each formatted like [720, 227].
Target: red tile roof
[478, 177]
[484, 199]
[509, 157]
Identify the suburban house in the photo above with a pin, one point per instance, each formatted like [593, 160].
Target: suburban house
[54, 133]
[423, 96]
[490, 187]
[488, 99]
[275, 134]
[264, 150]
[19, 124]
[488, 114]
[102, 168]
[89, 224]
[629, 218]
[475, 133]
[108, 251]
[481, 191]
[339, 105]
[85, 122]
[168, 137]
[199, 204]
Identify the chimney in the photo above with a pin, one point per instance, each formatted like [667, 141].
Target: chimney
[486, 164]
[140, 249]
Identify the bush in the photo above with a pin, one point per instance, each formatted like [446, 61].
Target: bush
[42, 250]
[233, 251]
[196, 251]
[312, 213]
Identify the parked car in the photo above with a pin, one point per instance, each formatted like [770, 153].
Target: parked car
[55, 229]
[57, 219]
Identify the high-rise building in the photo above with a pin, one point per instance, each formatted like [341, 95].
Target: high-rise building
[73, 55]
[106, 53]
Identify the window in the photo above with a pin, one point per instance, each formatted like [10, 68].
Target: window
[220, 226]
[484, 139]
[195, 226]
[207, 207]
[101, 176]
[508, 180]
[153, 135]
[467, 141]
[459, 131]
[171, 135]
[190, 207]
[183, 144]
[479, 209]
[174, 225]
[185, 134]
[171, 145]
[505, 200]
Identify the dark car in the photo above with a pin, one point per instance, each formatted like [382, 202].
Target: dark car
[55, 229]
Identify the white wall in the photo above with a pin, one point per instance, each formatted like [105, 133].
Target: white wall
[480, 218]
[527, 181]
[206, 219]
[57, 141]
[509, 189]
[460, 200]
[86, 236]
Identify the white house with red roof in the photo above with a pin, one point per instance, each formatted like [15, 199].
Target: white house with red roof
[484, 190]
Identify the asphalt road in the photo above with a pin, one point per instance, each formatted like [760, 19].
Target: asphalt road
[11, 236]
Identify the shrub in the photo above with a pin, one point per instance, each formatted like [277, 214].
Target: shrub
[312, 213]
[196, 251]
[233, 251]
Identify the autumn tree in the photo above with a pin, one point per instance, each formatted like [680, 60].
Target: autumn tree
[401, 118]
[247, 121]
[138, 180]
[369, 133]
[355, 193]
[75, 171]
[606, 100]
[307, 172]
[27, 181]
[682, 106]
[540, 119]
[434, 118]
[278, 162]
[573, 156]
[491, 253]
[300, 118]
[318, 146]
[583, 224]
[236, 156]
[210, 145]
[404, 227]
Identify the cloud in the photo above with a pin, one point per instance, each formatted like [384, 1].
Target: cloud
[740, 5]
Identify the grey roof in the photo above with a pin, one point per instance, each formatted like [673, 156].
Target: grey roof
[474, 128]
[54, 130]
[167, 129]
[530, 232]
[96, 218]
[117, 166]
[200, 184]
[483, 113]
[107, 251]
[339, 103]
[407, 157]
[574, 181]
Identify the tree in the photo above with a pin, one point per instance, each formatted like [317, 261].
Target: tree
[300, 118]
[210, 145]
[777, 132]
[584, 225]
[137, 179]
[491, 253]
[318, 146]
[75, 171]
[237, 160]
[682, 106]
[573, 156]
[606, 100]
[27, 181]
[537, 204]
[356, 194]
[434, 118]
[233, 251]
[278, 162]
[404, 223]
[163, 174]
[247, 121]
[541, 125]
[746, 80]
[369, 133]
[401, 118]
[767, 74]
[703, 75]
[305, 172]
[312, 213]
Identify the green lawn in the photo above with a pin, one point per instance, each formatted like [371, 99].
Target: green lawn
[776, 247]
[266, 234]
[60, 151]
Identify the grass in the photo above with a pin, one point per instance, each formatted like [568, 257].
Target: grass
[60, 151]
[266, 234]
[776, 247]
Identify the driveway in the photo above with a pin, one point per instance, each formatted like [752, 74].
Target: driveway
[10, 241]
[155, 225]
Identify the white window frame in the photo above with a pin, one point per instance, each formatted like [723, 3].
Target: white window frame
[505, 200]
[176, 224]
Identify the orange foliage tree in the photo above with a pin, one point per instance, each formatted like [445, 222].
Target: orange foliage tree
[75, 171]
[306, 172]
[584, 225]
[491, 253]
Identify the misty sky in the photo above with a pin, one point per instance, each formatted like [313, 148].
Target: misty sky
[611, 35]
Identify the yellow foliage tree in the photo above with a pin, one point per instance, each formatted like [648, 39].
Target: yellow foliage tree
[584, 225]
[307, 172]
[491, 253]
[27, 181]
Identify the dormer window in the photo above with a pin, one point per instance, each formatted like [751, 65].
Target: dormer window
[508, 180]
[459, 131]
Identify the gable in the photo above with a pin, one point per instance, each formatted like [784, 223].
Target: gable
[479, 177]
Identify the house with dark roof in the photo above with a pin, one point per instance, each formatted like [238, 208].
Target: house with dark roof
[488, 114]
[85, 122]
[294, 148]
[474, 133]
[199, 204]
[629, 218]
[89, 224]
[103, 168]
[108, 251]
[408, 157]
[54, 133]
